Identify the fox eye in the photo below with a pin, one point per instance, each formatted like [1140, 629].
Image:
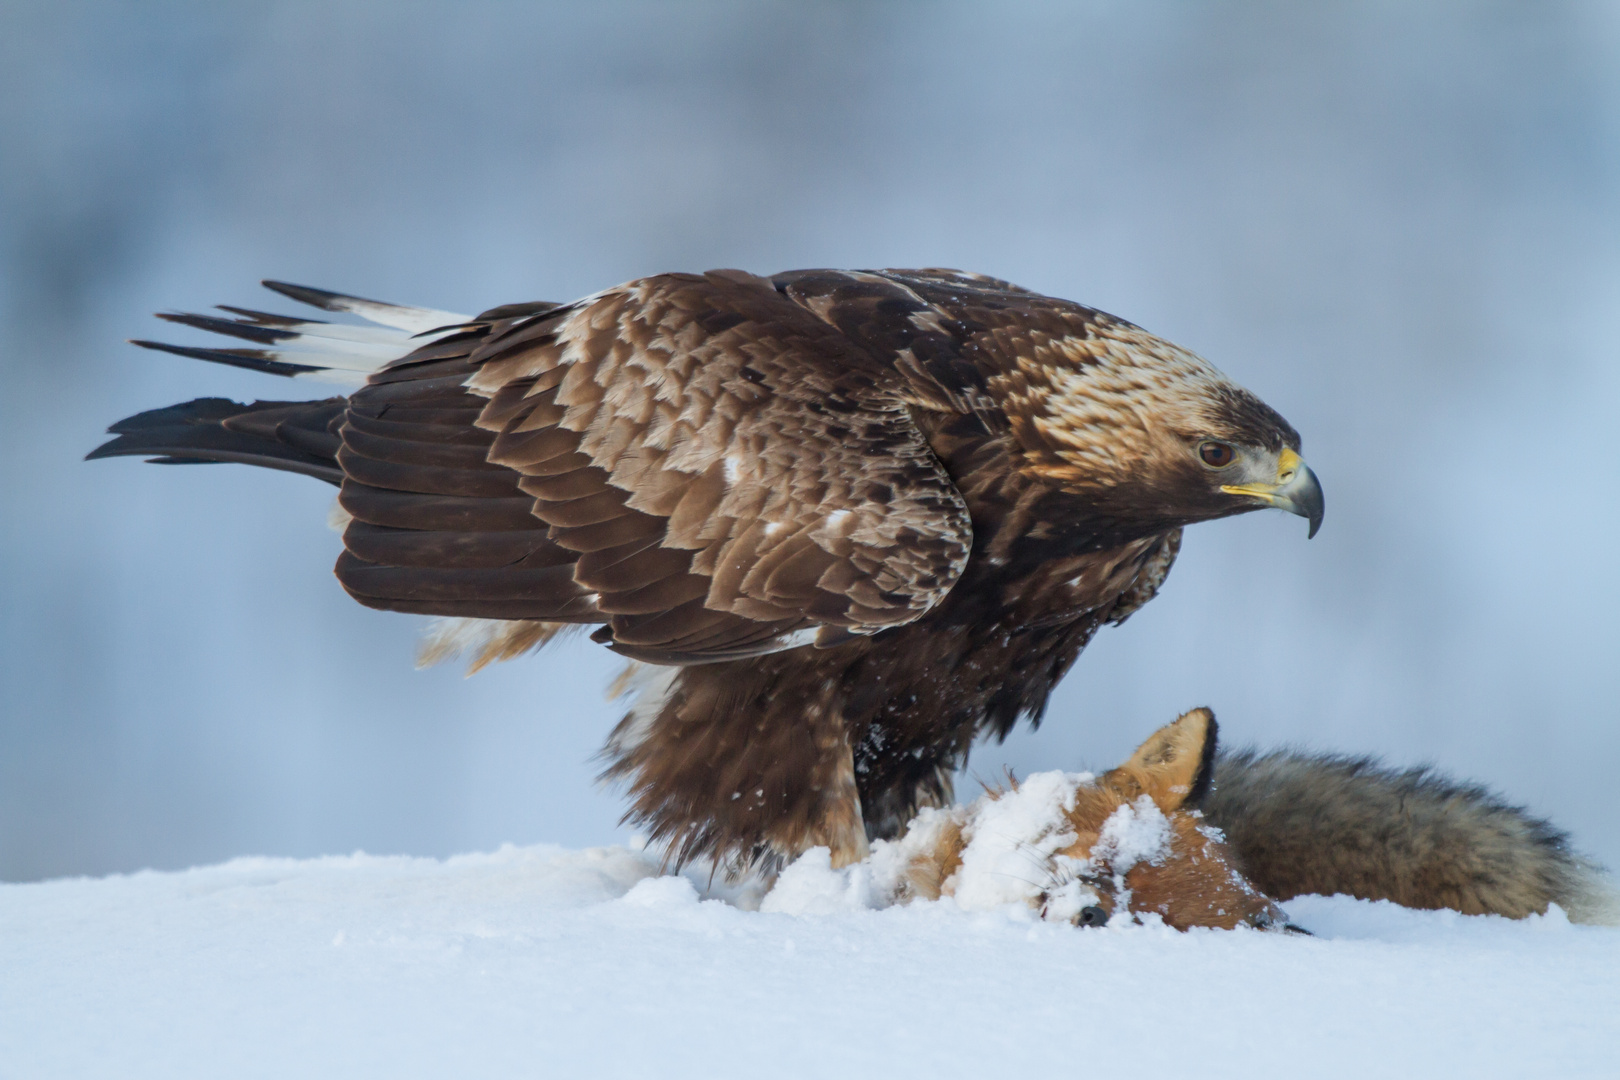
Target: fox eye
[1216, 455]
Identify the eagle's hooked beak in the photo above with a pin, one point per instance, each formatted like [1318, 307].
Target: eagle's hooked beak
[1295, 490]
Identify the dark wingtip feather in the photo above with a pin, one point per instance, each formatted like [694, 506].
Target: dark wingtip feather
[247, 331]
[516, 311]
[196, 431]
[321, 298]
[211, 410]
[446, 328]
[397, 316]
[265, 318]
[252, 359]
[169, 419]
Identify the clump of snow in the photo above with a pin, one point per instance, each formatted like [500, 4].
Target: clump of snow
[1011, 841]
[810, 886]
[1009, 857]
[1009, 860]
[661, 892]
[1135, 833]
[890, 859]
[540, 960]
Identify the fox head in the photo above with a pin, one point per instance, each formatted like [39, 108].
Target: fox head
[1129, 840]
[1141, 844]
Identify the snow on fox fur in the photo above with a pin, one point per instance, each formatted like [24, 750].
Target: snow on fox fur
[1179, 836]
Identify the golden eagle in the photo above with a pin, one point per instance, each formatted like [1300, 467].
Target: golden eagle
[859, 517]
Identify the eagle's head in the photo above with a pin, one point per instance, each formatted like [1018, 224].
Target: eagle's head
[1149, 436]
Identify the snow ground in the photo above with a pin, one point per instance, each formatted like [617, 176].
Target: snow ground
[541, 961]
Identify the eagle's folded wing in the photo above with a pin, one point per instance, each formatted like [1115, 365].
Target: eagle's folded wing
[717, 472]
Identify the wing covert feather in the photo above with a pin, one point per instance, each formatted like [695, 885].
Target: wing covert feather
[731, 469]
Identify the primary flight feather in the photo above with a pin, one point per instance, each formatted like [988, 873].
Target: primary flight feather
[860, 517]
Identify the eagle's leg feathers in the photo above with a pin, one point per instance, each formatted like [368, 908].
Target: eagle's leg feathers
[717, 768]
[750, 762]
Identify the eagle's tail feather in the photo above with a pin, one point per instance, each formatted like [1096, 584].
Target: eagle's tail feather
[412, 320]
[309, 348]
[295, 436]
[1302, 823]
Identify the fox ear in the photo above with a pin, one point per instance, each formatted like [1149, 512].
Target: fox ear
[1176, 765]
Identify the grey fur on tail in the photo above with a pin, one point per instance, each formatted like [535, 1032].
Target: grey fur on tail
[1302, 823]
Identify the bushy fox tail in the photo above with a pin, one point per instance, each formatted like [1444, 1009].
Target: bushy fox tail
[1327, 824]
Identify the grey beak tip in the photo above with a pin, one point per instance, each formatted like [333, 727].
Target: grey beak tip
[1307, 499]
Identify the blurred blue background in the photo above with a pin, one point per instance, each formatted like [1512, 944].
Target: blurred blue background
[1398, 223]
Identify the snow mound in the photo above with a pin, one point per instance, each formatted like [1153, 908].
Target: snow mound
[544, 961]
[1009, 859]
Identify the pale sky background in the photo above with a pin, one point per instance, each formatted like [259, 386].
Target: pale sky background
[1398, 223]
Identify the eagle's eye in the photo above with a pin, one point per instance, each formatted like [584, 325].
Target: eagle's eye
[1216, 455]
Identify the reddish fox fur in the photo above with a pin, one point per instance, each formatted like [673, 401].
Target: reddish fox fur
[1278, 826]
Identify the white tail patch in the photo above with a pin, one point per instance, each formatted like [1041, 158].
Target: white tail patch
[412, 320]
[386, 338]
[337, 365]
[313, 350]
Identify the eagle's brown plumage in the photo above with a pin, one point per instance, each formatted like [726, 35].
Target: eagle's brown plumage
[864, 516]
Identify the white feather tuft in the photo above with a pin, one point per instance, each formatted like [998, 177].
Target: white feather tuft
[648, 686]
[484, 641]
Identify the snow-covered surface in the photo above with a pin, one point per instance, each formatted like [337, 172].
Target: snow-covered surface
[541, 961]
